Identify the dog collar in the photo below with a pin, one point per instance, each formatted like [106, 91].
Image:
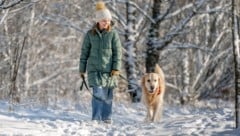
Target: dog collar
[158, 91]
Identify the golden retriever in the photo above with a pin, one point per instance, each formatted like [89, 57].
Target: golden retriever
[153, 89]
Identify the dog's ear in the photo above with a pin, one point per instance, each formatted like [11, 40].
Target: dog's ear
[161, 83]
[157, 68]
[159, 80]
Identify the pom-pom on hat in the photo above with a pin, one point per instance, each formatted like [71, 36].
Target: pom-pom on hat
[102, 12]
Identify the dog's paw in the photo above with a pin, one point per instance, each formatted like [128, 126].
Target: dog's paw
[147, 120]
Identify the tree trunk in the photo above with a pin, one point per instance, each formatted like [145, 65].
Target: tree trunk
[14, 97]
[130, 36]
[236, 40]
[185, 77]
[152, 53]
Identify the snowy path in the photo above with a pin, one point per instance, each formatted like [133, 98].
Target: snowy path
[127, 120]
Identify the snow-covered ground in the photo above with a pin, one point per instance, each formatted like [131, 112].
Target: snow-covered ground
[127, 120]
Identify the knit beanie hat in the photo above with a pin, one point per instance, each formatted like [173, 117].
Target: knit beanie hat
[102, 12]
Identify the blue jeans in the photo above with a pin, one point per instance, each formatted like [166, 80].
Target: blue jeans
[102, 103]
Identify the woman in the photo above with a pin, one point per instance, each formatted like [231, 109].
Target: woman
[101, 58]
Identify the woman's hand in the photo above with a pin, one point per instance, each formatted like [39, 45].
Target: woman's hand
[115, 73]
[82, 75]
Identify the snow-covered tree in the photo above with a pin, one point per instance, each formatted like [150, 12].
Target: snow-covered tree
[133, 24]
[236, 52]
[130, 64]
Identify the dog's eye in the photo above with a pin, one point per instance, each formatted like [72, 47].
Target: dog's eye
[155, 80]
[148, 80]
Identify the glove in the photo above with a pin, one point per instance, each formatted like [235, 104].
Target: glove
[115, 73]
[82, 75]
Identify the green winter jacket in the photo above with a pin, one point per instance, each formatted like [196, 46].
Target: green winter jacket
[100, 54]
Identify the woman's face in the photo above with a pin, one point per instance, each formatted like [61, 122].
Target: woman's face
[103, 24]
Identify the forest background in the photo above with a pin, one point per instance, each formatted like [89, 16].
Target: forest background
[192, 40]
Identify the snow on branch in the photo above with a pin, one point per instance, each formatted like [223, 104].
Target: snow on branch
[204, 67]
[2, 2]
[163, 16]
[179, 10]
[51, 76]
[4, 16]
[119, 17]
[142, 11]
[46, 79]
[188, 46]
[172, 86]
[61, 20]
[179, 27]
[214, 10]
[215, 75]
[9, 5]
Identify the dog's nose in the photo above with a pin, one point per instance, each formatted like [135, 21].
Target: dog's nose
[152, 87]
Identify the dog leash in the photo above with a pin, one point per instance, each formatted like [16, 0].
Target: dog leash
[134, 92]
[84, 83]
[124, 78]
[120, 75]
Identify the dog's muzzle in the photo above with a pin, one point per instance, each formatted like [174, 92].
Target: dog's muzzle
[151, 91]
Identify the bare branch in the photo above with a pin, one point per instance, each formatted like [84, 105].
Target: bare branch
[62, 21]
[4, 16]
[207, 60]
[188, 46]
[164, 15]
[46, 79]
[2, 2]
[9, 5]
[142, 11]
[174, 32]
[216, 74]
[179, 11]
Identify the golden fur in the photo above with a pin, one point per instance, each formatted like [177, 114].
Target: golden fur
[153, 89]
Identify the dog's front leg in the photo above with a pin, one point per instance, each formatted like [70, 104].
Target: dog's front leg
[157, 113]
[149, 116]
[155, 116]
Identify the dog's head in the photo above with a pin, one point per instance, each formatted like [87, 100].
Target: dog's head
[151, 81]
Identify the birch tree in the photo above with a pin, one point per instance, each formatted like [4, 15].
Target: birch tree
[186, 77]
[133, 22]
[131, 50]
[236, 50]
